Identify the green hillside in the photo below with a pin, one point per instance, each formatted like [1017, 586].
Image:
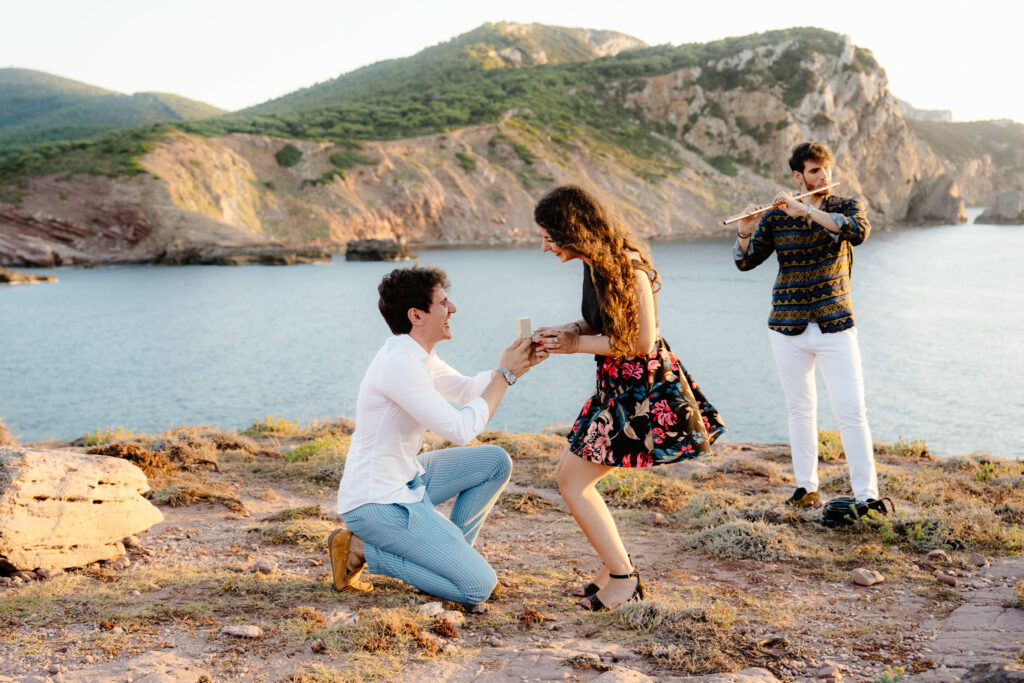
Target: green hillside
[40, 107]
[469, 80]
[452, 86]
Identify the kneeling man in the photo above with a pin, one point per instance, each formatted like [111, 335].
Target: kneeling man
[388, 492]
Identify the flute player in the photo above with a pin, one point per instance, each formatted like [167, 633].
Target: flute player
[811, 320]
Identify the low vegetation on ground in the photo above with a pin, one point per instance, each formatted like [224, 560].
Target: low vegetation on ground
[715, 546]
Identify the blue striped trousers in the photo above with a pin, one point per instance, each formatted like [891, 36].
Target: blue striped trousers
[415, 543]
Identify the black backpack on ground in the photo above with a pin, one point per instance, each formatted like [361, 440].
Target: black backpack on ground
[847, 510]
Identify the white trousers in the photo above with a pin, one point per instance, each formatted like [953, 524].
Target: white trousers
[838, 356]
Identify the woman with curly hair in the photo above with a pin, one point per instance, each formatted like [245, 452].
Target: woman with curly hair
[646, 410]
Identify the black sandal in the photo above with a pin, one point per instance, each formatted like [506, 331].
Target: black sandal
[594, 603]
[592, 588]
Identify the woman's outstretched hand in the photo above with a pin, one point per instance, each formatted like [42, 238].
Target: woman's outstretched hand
[556, 340]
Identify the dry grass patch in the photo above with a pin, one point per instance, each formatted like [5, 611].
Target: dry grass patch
[754, 467]
[682, 638]
[527, 502]
[153, 464]
[645, 489]
[708, 509]
[742, 539]
[974, 502]
[337, 428]
[308, 534]
[535, 456]
[307, 512]
[190, 493]
[382, 644]
[319, 673]
[6, 438]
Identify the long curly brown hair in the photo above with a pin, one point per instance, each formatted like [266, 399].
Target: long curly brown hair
[575, 220]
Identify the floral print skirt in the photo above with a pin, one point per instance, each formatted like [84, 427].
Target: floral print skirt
[647, 411]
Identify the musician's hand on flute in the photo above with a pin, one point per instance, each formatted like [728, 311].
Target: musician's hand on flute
[794, 209]
[747, 225]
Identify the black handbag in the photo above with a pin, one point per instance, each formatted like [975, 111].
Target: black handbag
[847, 510]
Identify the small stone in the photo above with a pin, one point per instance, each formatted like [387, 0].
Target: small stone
[120, 563]
[264, 567]
[242, 631]
[135, 594]
[457, 619]
[49, 573]
[480, 608]
[938, 556]
[317, 646]
[866, 577]
[977, 560]
[653, 518]
[431, 609]
[17, 580]
[25, 576]
[131, 541]
[118, 630]
[947, 579]
[54, 669]
[493, 641]
[313, 562]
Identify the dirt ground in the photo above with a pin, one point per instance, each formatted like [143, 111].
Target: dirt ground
[739, 587]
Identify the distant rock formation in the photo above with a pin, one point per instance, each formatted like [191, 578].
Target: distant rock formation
[377, 250]
[13, 277]
[912, 112]
[61, 509]
[1008, 209]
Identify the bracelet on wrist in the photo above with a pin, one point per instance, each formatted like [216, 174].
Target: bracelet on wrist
[742, 236]
[579, 330]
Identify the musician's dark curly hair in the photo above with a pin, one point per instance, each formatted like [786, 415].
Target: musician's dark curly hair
[405, 288]
[809, 151]
[575, 220]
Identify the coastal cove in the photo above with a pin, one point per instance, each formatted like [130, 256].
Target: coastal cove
[940, 313]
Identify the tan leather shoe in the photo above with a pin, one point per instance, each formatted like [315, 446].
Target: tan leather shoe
[337, 546]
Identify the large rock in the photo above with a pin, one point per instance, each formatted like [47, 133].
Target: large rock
[377, 250]
[61, 509]
[1008, 209]
[936, 200]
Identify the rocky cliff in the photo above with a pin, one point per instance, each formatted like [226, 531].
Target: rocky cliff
[722, 130]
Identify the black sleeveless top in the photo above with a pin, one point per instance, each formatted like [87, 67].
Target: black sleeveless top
[590, 307]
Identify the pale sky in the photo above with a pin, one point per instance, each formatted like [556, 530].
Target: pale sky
[235, 54]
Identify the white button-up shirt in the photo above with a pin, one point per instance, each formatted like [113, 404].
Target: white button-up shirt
[404, 392]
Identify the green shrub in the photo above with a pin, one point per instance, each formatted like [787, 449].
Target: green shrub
[466, 161]
[723, 164]
[322, 445]
[271, 425]
[348, 159]
[830, 445]
[106, 435]
[288, 156]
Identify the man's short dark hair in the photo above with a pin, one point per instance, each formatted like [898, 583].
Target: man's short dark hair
[405, 288]
[809, 151]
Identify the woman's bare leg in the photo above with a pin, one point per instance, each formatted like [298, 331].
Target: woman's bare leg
[577, 479]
